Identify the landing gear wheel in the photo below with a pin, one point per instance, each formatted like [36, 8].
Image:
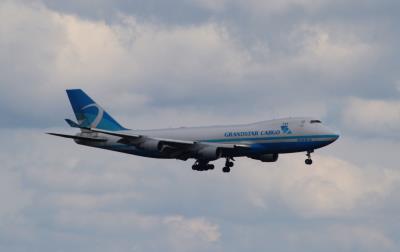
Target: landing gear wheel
[228, 165]
[202, 166]
[309, 160]
[226, 169]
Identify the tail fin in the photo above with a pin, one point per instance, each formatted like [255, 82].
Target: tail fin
[89, 114]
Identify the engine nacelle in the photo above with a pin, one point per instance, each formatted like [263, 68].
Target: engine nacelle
[150, 145]
[266, 157]
[209, 153]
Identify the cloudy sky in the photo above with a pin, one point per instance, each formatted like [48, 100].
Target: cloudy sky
[158, 63]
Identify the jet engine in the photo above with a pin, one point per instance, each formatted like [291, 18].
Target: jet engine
[151, 145]
[208, 153]
[266, 157]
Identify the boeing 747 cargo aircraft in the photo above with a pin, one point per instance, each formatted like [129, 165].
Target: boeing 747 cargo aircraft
[262, 141]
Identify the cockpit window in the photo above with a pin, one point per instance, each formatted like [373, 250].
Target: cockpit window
[315, 121]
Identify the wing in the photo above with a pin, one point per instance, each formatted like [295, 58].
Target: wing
[179, 149]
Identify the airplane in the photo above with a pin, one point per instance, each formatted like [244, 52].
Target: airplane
[263, 141]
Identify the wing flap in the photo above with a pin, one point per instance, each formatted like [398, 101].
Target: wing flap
[116, 133]
[79, 137]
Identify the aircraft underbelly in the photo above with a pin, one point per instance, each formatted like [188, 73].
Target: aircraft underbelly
[289, 147]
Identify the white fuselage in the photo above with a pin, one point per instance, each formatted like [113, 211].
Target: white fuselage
[285, 135]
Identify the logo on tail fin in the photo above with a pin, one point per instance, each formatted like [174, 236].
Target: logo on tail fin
[99, 116]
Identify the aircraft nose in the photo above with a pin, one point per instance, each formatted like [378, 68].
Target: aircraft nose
[334, 136]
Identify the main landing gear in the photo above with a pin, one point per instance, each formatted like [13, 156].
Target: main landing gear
[309, 160]
[228, 165]
[202, 166]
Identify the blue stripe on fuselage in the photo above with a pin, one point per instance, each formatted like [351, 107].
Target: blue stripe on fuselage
[266, 138]
[273, 145]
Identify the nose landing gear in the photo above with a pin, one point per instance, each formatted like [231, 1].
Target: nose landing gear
[309, 161]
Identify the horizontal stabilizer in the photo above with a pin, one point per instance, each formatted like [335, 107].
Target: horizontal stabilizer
[72, 123]
[79, 137]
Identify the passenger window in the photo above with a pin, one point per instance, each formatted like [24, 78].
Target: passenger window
[315, 121]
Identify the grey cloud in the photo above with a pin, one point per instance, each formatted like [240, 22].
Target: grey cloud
[176, 12]
[149, 62]
[320, 62]
[117, 203]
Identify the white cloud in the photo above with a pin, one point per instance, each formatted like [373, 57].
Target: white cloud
[52, 186]
[140, 52]
[175, 233]
[14, 197]
[336, 187]
[109, 60]
[101, 195]
[381, 117]
[132, 63]
[276, 6]
[259, 6]
[367, 238]
[108, 222]
[345, 238]
[213, 5]
[91, 201]
[333, 51]
[331, 187]
[114, 195]
[198, 228]
[179, 229]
